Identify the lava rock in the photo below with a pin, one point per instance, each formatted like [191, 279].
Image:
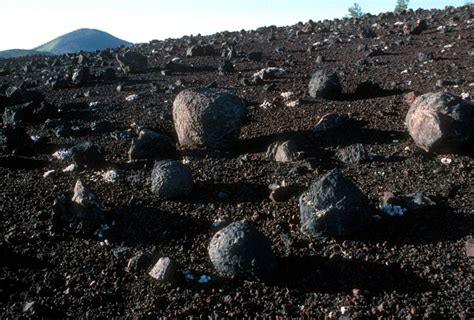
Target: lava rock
[152, 146]
[241, 251]
[83, 214]
[107, 74]
[333, 206]
[441, 122]
[330, 121]
[208, 117]
[164, 270]
[170, 179]
[226, 67]
[201, 50]
[325, 84]
[285, 151]
[138, 262]
[367, 32]
[15, 139]
[255, 56]
[416, 201]
[80, 76]
[132, 62]
[352, 154]
[424, 56]
[87, 156]
[18, 113]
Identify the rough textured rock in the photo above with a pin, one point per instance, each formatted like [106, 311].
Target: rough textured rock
[208, 117]
[285, 151]
[18, 113]
[201, 50]
[152, 146]
[87, 156]
[330, 121]
[441, 122]
[170, 179]
[82, 214]
[15, 139]
[132, 62]
[239, 250]
[333, 206]
[164, 270]
[325, 84]
[352, 154]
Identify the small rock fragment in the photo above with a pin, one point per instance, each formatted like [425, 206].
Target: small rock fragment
[285, 151]
[164, 270]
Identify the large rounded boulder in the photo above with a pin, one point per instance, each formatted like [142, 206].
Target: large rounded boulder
[325, 84]
[171, 179]
[241, 251]
[441, 122]
[333, 206]
[208, 117]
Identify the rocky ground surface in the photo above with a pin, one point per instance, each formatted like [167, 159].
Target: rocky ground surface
[85, 249]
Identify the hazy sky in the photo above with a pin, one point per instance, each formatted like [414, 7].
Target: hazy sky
[29, 23]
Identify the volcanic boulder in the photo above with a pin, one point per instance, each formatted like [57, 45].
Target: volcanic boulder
[132, 62]
[82, 214]
[87, 155]
[333, 206]
[170, 179]
[239, 250]
[352, 154]
[325, 84]
[285, 151]
[208, 117]
[151, 145]
[441, 122]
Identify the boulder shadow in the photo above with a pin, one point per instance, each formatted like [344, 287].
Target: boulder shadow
[430, 225]
[227, 193]
[140, 224]
[17, 162]
[336, 275]
[260, 144]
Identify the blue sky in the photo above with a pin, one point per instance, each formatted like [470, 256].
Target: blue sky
[28, 23]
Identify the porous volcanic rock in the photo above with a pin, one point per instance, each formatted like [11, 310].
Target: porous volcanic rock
[208, 117]
[441, 122]
[333, 206]
[325, 84]
[170, 179]
[239, 250]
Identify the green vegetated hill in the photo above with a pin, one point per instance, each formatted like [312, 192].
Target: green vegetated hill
[75, 41]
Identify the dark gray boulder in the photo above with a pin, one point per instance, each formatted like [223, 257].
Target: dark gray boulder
[170, 179]
[208, 117]
[83, 214]
[151, 145]
[18, 113]
[352, 154]
[87, 155]
[241, 251]
[15, 139]
[441, 123]
[132, 62]
[329, 122]
[201, 50]
[333, 206]
[325, 84]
